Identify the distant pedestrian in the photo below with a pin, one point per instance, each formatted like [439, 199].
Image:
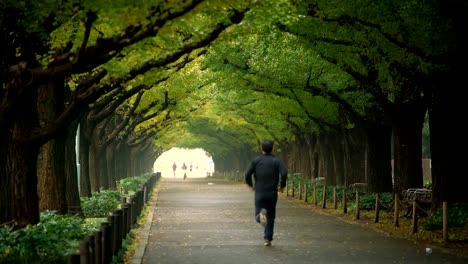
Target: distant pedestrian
[174, 168]
[269, 173]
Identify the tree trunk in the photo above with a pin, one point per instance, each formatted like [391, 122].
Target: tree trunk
[102, 169]
[71, 173]
[94, 170]
[327, 158]
[51, 176]
[447, 116]
[407, 128]
[120, 161]
[356, 147]
[133, 163]
[51, 160]
[6, 193]
[337, 159]
[379, 167]
[18, 166]
[85, 182]
[110, 157]
[21, 167]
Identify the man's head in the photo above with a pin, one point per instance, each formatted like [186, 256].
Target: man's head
[267, 146]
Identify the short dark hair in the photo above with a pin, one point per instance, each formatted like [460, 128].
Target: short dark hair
[267, 146]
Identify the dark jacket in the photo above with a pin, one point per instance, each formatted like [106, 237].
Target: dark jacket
[268, 172]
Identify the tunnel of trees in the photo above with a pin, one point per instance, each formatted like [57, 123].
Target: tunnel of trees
[343, 87]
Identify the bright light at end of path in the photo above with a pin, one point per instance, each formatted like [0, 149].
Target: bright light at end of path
[201, 161]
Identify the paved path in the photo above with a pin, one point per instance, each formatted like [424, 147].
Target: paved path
[211, 221]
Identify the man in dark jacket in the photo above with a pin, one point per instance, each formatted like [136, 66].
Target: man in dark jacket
[268, 173]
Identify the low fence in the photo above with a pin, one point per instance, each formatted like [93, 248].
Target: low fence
[107, 241]
[415, 200]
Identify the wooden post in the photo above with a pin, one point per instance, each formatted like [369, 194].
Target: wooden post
[345, 201]
[292, 188]
[73, 259]
[306, 191]
[396, 214]
[124, 207]
[141, 202]
[445, 221]
[358, 216]
[415, 216]
[92, 249]
[84, 251]
[118, 226]
[315, 194]
[97, 246]
[377, 203]
[125, 226]
[113, 234]
[106, 243]
[324, 204]
[300, 191]
[335, 198]
[133, 210]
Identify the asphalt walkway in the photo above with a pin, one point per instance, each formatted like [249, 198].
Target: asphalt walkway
[212, 221]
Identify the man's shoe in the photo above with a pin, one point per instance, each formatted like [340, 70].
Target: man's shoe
[267, 243]
[263, 217]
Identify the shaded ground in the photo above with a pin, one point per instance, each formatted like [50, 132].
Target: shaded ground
[211, 221]
[458, 243]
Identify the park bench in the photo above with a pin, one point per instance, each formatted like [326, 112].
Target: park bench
[422, 197]
[359, 187]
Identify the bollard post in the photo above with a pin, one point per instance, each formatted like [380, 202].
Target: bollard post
[358, 216]
[132, 210]
[300, 191]
[415, 216]
[73, 259]
[84, 251]
[306, 192]
[445, 221]
[396, 213]
[335, 198]
[106, 243]
[377, 207]
[324, 204]
[292, 188]
[113, 234]
[315, 194]
[345, 201]
[118, 229]
[92, 250]
[97, 246]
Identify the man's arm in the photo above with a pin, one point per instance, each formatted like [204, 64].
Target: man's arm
[248, 174]
[283, 174]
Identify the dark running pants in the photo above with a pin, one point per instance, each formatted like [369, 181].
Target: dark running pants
[267, 201]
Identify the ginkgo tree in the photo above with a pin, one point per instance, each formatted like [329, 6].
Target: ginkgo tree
[407, 55]
[68, 53]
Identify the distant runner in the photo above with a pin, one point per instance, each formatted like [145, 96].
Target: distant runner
[174, 168]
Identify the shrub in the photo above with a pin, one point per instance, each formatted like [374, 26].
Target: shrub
[457, 217]
[132, 184]
[100, 204]
[367, 202]
[49, 241]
